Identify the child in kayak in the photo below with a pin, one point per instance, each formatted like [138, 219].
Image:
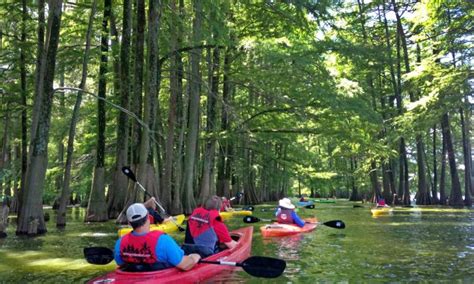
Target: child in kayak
[286, 213]
[206, 230]
[145, 250]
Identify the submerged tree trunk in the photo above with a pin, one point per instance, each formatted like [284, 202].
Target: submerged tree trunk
[442, 178]
[97, 207]
[466, 146]
[194, 101]
[455, 198]
[118, 190]
[31, 219]
[65, 193]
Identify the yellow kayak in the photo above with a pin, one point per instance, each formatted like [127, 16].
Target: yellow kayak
[229, 214]
[167, 227]
[381, 211]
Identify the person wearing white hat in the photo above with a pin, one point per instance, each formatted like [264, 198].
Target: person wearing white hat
[145, 250]
[286, 213]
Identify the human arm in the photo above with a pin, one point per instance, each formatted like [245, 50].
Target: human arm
[297, 220]
[168, 251]
[223, 234]
[117, 257]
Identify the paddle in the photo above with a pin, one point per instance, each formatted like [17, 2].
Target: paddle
[245, 208]
[310, 206]
[129, 173]
[337, 224]
[259, 266]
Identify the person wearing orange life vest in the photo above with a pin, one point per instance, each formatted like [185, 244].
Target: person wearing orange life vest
[206, 230]
[286, 213]
[145, 250]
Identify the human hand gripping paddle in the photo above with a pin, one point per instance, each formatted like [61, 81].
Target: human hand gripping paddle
[336, 224]
[259, 266]
[129, 173]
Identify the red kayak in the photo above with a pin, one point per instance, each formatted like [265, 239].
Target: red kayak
[200, 272]
[281, 230]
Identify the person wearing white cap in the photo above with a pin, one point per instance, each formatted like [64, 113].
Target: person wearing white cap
[145, 250]
[286, 213]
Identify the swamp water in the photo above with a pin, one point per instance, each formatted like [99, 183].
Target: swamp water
[421, 244]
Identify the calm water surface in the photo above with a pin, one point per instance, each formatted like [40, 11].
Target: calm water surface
[428, 244]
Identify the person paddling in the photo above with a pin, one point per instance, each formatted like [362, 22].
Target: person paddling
[381, 202]
[286, 213]
[145, 250]
[226, 207]
[153, 215]
[206, 230]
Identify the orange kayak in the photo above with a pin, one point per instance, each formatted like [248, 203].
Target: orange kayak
[281, 230]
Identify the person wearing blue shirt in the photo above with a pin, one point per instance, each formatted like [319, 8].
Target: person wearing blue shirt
[145, 250]
[286, 213]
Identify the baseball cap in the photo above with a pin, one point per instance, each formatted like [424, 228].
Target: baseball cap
[136, 212]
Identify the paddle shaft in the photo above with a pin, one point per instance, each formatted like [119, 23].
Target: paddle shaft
[129, 173]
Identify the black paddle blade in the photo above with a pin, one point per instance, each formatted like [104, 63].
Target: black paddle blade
[261, 266]
[311, 206]
[249, 208]
[251, 219]
[128, 172]
[98, 255]
[338, 224]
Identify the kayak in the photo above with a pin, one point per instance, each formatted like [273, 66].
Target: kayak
[199, 273]
[304, 203]
[229, 214]
[381, 211]
[167, 227]
[281, 230]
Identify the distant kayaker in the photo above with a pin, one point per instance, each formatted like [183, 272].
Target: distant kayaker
[145, 250]
[381, 202]
[206, 230]
[302, 198]
[226, 207]
[153, 215]
[286, 213]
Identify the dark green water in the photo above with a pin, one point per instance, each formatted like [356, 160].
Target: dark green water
[428, 244]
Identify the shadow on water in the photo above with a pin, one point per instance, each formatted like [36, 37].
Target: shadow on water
[420, 244]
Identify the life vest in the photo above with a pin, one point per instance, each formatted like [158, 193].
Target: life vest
[200, 226]
[284, 216]
[140, 249]
[225, 204]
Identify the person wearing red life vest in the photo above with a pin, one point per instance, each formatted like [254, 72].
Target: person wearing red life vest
[286, 213]
[226, 207]
[153, 215]
[206, 230]
[145, 250]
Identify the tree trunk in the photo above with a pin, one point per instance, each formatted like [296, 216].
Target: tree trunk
[31, 212]
[24, 90]
[97, 207]
[434, 188]
[455, 198]
[354, 191]
[225, 148]
[442, 178]
[119, 188]
[207, 186]
[65, 193]
[137, 95]
[194, 101]
[466, 146]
